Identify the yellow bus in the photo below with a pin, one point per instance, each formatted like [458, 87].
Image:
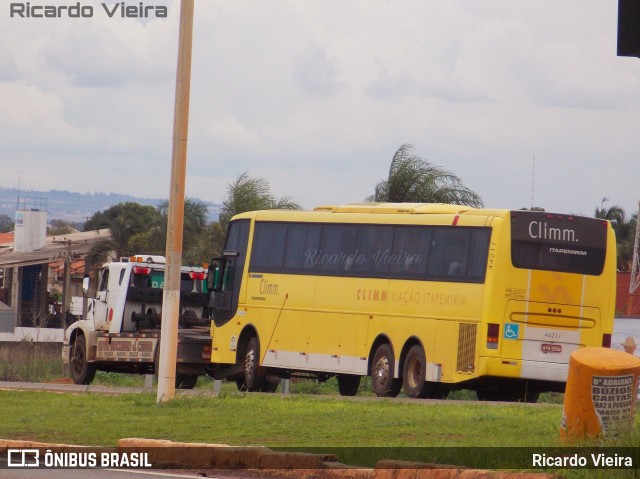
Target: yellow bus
[431, 297]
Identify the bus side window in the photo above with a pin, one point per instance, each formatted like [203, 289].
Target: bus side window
[228, 274]
[456, 268]
[450, 248]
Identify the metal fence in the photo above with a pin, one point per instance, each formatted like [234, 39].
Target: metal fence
[7, 320]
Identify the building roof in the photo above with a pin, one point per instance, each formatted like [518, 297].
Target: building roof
[55, 248]
[6, 238]
[76, 267]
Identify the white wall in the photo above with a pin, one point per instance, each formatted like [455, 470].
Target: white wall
[42, 335]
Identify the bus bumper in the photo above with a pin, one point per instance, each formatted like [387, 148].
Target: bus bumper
[515, 368]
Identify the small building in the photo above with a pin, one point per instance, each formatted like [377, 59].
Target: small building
[27, 279]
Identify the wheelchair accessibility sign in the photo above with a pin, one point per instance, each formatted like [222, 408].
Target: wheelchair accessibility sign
[511, 331]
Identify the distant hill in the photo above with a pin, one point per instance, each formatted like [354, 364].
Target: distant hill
[78, 207]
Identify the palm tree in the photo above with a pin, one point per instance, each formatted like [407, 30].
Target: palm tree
[196, 234]
[250, 194]
[615, 214]
[625, 232]
[413, 179]
[627, 243]
[126, 221]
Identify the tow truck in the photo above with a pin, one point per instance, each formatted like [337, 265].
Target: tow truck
[121, 332]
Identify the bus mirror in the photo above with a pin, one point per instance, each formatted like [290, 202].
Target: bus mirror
[85, 284]
[213, 276]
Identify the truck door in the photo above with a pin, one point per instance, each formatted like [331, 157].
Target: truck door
[226, 292]
[100, 303]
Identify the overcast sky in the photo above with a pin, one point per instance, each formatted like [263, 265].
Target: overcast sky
[316, 96]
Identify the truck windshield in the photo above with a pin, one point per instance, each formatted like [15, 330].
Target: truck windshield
[155, 279]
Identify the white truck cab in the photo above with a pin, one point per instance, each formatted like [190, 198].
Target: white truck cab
[121, 332]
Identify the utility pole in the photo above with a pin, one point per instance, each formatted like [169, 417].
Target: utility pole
[171, 296]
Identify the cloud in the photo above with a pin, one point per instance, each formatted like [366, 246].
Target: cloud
[314, 72]
[316, 96]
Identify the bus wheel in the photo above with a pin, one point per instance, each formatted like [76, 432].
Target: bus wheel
[82, 371]
[348, 384]
[254, 375]
[270, 386]
[506, 392]
[437, 390]
[382, 380]
[415, 373]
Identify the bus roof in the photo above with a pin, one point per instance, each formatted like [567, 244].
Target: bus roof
[380, 209]
[397, 208]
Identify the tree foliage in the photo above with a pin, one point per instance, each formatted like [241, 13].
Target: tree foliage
[413, 179]
[59, 227]
[624, 229]
[614, 213]
[125, 220]
[250, 194]
[6, 223]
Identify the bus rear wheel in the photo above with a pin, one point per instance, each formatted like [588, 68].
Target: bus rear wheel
[508, 392]
[415, 373]
[382, 380]
[348, 384]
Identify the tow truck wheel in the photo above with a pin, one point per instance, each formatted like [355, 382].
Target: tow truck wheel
[183, 381]
[186, 381]
[82, 371]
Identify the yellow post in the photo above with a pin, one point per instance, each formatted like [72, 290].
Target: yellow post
[171, 296]
[601, 392]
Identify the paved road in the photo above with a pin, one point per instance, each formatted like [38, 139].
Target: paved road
[42, 473]
[120, 474]
[623, 327]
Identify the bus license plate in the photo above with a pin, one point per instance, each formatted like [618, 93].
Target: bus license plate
[551, 348]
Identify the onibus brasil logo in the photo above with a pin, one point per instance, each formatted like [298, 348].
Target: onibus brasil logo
[28, 458]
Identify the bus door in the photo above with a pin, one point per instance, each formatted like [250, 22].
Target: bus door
[225, 274]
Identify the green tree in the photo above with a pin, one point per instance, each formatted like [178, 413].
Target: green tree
[195, 214]
[59, 227]
[6, 223]
[196, 244]
[625, 231]
[250, 194]
[125, 220]
[413, 179]
[627, 243]
[614, 213]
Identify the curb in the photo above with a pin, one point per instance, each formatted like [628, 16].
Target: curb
[308, 465]
[287, 465]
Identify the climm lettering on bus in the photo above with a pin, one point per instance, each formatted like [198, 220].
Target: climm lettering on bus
[371, 295]
[540, 230]
[268, 288]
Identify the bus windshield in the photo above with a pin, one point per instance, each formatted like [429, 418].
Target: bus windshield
[563, 243]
